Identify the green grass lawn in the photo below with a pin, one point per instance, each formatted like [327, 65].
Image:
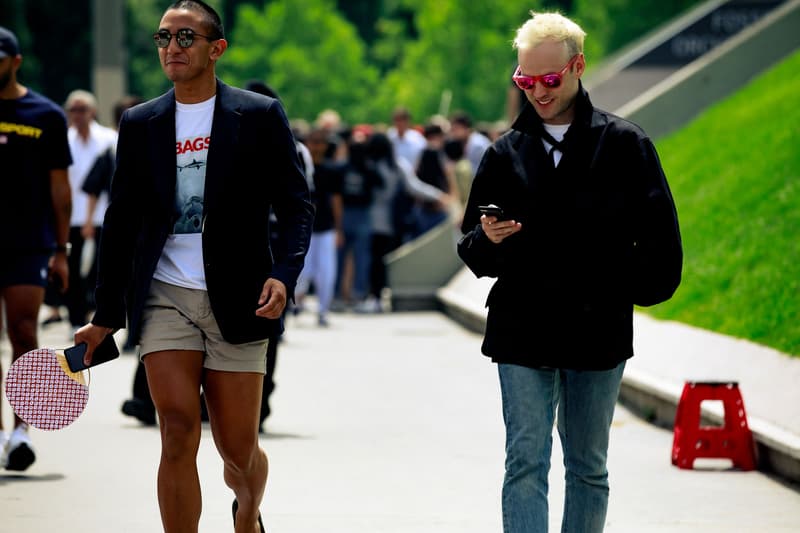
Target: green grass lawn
[735, 176]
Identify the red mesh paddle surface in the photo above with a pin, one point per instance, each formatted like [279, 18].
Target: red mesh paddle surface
[41, 393]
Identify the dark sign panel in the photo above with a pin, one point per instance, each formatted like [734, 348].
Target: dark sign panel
[708, 32]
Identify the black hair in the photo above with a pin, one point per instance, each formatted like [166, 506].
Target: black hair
[258, 86]
[453, 149]
[209, 14]
[381, 148]
[463, 118]
[124, 103]
[431, 130]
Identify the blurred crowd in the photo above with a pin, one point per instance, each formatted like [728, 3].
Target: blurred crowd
[376, 187]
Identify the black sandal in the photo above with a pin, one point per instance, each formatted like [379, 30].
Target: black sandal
[235, 507]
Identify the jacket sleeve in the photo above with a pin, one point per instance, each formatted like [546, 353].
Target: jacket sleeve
[99, 177]
[293, 207]
[474, 249]
[120, 229]
[657, 248]
[479, 254]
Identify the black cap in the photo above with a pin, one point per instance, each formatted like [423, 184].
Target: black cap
[9, 47]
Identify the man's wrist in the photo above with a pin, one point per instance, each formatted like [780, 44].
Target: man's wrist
[64, 249]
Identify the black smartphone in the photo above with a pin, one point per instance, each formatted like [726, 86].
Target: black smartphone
[105, 351]
[492, 210]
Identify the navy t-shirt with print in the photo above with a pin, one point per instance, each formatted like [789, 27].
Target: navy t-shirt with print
[328, 179]
[33, 141]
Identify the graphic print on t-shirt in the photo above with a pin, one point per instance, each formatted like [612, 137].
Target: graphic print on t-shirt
[191, 179]
[181, 262]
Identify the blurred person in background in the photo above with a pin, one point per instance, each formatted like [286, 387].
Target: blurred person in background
[475, 143]
[321, 261]
[408, 142]
[88, 141]
[460, 167]
[34, 157]
[359, 182]
[432, 168]
[279, 241]
[397, 178]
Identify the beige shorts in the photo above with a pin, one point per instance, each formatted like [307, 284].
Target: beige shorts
[177, 318]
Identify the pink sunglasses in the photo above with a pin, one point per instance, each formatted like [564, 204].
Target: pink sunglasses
[549, 81]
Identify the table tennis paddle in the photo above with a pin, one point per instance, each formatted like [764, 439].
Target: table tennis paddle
[47, 389]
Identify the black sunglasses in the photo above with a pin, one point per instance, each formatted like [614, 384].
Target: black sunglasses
[184, 37]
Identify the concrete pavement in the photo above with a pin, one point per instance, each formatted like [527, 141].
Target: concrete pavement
[668, 354]
[382, 423]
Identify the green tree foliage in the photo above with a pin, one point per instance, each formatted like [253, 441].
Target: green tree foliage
[307, 52]
[145, 77]
[230, 7]
[364, 15]
[361, 57]
[735, 175]
[462, 59]
[56, 42]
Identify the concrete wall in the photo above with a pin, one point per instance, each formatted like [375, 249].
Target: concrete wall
[417, 269]
[676, 100]
[109, 80]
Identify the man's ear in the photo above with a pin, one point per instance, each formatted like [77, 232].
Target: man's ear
[218, 48]
[580, 65]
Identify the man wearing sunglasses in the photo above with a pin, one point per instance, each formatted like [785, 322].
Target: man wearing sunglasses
[185, 257]
[588, 230]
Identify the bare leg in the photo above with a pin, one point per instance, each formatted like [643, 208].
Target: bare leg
[234, 403]
[22, 314]
[174, 378]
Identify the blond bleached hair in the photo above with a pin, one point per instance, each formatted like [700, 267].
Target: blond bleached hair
[80, 95]
[555, 27]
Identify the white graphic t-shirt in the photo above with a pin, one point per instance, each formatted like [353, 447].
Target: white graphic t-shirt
[181, 261]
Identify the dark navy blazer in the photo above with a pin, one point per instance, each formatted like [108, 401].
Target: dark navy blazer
[252, 166]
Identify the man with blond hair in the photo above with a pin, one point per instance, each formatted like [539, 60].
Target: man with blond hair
[582, 192]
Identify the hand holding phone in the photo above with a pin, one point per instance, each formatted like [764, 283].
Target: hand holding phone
[492, 210]
[105, 351]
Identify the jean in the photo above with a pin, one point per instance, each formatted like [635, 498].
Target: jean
[427, 219]
[320, 268]
[584, 401]
[79, 297]
[357, 229]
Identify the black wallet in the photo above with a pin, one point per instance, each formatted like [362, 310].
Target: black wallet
[105, 351]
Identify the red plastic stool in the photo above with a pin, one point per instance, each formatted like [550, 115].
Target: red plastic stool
[732, 441]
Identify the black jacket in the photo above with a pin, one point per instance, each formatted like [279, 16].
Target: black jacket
[599, 234]
[252, 166]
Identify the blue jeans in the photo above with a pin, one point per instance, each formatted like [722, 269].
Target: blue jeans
[585, 401]
[427, 220]
[357, 229]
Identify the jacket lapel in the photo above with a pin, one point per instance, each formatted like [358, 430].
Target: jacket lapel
[161, 144]
[224, 138]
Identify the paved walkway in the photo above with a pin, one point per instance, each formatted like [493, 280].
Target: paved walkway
[382, 423]
[668, 354]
